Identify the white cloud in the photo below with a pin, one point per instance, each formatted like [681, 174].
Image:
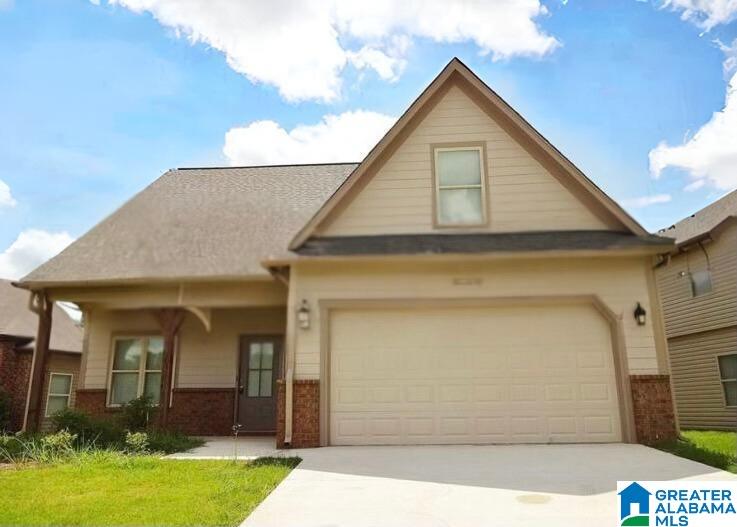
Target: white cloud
[30, 249]
[710, 156]
[706, 14]
[694, 185]
[303, 46]
[646, 201]
[345, 137]
[730, 56]
[6, 5]
[6, 198]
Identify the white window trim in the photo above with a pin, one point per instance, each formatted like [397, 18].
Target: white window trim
[142, 371]
[722, 380]
[67, 395]
[482, 186]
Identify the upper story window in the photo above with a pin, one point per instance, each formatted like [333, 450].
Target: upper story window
[460, 186]
[700, 282]
[136, 369]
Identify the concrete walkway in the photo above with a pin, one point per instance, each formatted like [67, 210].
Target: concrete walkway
[459, 486]
[224, 448]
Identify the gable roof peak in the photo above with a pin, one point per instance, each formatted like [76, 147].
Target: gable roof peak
[509, 119]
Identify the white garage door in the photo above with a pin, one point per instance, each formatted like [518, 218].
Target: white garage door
[472, 375]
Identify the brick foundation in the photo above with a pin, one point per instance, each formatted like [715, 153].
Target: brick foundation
[652, 405]
[194, 411]
[92, 402]
[203, 411]
[305, 413]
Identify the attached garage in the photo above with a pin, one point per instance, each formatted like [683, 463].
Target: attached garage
[475, 374]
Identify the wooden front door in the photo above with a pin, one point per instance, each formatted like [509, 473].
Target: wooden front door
[260, 358]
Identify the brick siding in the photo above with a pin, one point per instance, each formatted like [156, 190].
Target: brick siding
[202, 411]
[194, 411]
[305, 414]
[652, 405]
[15, 372]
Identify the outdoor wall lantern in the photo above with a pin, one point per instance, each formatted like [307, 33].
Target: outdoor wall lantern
[303, 315]
[640, 315]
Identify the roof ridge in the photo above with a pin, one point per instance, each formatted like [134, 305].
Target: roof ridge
[270, 166]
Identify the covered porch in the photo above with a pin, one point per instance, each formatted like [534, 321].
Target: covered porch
[209, 355]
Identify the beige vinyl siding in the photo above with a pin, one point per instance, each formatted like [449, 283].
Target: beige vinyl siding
[523, 196]
[204, 360]
[619, 282]
[685, 314]
[698, 390]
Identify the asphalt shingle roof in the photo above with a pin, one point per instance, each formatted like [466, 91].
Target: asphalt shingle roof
[704, 220]
[198, 223]
[17, 320]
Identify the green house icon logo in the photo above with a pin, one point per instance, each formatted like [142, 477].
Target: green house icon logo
[634, 505]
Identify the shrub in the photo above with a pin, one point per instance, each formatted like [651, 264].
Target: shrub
[10, 447]
[137, 442]
[89, 430]
[170, 442]
[59, 443]
[4, 411]
[138, 413]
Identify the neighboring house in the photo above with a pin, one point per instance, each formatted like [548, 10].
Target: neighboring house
[697, 282]
[18, 326]
[465, 283]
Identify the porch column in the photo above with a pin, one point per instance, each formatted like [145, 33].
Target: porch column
[170, 321]
[43, 307]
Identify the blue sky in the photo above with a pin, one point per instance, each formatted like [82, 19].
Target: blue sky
[97, 100]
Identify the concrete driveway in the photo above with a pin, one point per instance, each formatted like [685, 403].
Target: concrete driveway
[566, 485]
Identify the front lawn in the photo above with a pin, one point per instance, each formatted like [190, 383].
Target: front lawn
[109, 488]
[711, 447]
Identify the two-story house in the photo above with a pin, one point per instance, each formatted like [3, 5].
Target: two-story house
[697, 282]
[464, 283]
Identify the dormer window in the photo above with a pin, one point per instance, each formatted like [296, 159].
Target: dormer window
[460, 186]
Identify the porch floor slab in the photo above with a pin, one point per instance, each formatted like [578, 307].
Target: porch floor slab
[247, 447]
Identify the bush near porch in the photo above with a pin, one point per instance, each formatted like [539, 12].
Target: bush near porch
[711, 447]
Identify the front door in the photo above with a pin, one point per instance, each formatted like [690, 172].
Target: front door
[259, 368]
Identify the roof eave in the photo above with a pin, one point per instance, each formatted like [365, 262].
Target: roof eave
[644, 250]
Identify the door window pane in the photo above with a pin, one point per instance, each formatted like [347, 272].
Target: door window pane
[127, 354]
[253, 383]
[124, 387]
[155, 353]
[460, 206]
[267, 355]
[458, 167]
[56, 403]
[152, 386]
[60, 384]
[254, 356]
[265, 383]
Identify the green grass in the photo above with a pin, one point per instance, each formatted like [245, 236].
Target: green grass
[108, 488]
[711, 447]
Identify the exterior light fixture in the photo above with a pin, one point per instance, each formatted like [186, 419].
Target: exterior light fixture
[303, 315]
[640, 315]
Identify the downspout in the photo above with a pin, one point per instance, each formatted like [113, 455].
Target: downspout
[290, 357]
